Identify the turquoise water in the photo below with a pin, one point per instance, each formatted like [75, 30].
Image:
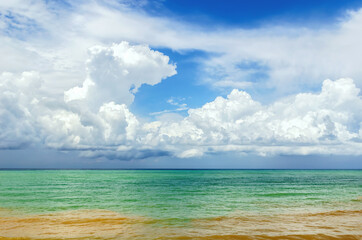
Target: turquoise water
[180, 194]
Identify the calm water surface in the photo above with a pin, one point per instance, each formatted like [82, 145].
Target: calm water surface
[187, 204]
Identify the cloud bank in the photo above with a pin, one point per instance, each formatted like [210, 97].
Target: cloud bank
[328, 122]
[95, 119]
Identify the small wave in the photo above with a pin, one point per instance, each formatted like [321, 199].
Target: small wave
[337, 213]
[358, 199]
[70, 224]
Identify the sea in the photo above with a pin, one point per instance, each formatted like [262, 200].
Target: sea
[180, 204]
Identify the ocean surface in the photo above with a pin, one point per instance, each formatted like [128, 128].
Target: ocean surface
[181, 204]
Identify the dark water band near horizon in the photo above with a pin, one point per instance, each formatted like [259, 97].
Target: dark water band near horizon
[180, 204]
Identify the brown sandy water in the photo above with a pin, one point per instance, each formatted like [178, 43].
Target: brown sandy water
[104, 224]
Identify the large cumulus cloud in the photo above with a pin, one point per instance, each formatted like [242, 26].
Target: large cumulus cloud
[95, 120]
[94, 117]
[328, 122]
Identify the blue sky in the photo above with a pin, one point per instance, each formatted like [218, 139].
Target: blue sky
[181, 84]
[251, 14]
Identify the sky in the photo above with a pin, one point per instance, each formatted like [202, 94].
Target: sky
[180, 84]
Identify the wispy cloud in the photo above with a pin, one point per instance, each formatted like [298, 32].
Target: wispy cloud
[295, 57]
[177, 102]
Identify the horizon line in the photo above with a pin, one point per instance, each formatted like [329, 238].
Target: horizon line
[14, 169]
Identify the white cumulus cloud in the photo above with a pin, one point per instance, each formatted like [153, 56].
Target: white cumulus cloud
[115, 73]
[328, 122]
[95, 118]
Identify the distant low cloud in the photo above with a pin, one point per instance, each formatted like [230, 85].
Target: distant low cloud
[126, 154]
